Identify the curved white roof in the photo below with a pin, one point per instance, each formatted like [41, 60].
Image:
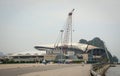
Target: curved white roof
[74, 45]
[28, 53]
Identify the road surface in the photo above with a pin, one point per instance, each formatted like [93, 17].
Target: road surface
[45, 70]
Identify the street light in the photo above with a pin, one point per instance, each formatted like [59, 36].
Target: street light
[61, 45]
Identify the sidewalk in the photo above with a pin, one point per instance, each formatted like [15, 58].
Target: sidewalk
[68, 71]
[9, 66]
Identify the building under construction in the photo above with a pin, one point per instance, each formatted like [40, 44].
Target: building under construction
[65, 49]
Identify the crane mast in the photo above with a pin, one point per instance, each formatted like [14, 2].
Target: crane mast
[68, 31]
[66, 35]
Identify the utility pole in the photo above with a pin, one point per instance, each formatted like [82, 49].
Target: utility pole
[61, 51]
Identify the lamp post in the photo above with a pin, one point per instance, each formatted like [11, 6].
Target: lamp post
[61, 45]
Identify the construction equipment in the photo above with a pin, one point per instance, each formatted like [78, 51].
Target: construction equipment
[67, 39]
[66, 34]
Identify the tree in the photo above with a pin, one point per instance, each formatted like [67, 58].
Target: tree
[97, 42]
[83, 41]
[115, 59]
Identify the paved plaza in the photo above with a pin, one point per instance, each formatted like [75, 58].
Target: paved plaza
[44, 70]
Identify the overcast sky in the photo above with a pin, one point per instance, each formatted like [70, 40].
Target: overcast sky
[26, 23]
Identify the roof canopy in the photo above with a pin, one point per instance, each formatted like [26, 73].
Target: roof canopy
[74, 45]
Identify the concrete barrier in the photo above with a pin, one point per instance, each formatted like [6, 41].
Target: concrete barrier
[99, 69]
[93, 73]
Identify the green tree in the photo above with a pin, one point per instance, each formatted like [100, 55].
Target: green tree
[97, 42]
[115, 59]
[83, 41]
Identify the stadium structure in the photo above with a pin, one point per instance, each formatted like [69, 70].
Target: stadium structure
[27, 56]
[64, 49]
[78, 51]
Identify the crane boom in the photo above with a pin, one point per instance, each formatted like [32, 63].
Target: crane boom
[68, 30]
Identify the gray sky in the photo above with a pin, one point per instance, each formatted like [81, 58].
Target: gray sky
[26, 23]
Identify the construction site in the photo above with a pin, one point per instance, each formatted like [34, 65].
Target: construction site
[65, 50]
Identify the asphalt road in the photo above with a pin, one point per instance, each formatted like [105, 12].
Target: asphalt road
[23, 70]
